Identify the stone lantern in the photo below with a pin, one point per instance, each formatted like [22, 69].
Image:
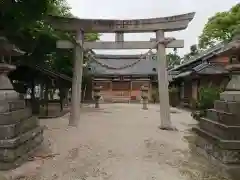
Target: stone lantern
[6, 88]
[144, 95]
[20, 133]
[97, 95]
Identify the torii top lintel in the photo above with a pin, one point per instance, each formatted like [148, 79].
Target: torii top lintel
[171, 23]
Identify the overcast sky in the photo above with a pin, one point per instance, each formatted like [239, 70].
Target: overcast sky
[129, 9]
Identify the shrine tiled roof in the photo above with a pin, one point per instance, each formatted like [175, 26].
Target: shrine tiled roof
[210, 68]
[122, 65]
[204, 69]
[200, 57]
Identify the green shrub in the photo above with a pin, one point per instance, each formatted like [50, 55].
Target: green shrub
[207, 96]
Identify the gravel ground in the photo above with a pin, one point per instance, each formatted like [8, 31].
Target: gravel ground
[116, 142]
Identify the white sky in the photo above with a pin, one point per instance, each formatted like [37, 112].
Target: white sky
[129, 9]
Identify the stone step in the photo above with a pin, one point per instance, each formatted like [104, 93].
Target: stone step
[12, 130]
[15, 116]
[228, 106]
[225, 156]
[22, 138]
[12, 154]
[215, 140]
[222, 117]
[119, 99]
[221, 130]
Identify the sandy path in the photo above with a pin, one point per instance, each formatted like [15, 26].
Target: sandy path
[117, 142]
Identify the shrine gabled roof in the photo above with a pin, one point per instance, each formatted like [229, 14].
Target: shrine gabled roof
[127, 65]
[198, 59]
[210, 68]
[204, 69]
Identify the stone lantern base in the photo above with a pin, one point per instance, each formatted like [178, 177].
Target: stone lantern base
[20, 133]
[218, 134]
[97, 95]
[144, 91]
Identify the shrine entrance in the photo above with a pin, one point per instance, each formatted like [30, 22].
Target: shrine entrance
[119, 27]
[121, 90]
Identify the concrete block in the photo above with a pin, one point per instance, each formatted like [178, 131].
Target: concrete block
[223, 131]
[10, 155]
[15, 116]
[15, 142]
[222, 117]
[223, 155]
[221, 105]
[8, 95]
[234, 83]
[230, 96]
[215, 140]
[6, 106]
[234, 108]
[4, 165]
[12, 130]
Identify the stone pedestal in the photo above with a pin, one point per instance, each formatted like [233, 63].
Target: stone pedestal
[97, 95]
[20, 133]
[218, 134]
[144, 90]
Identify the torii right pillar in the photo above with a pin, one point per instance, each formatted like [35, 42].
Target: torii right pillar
[163, 83]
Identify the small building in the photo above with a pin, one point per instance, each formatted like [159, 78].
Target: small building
[121, 76]
[206, 69]
[46, 89]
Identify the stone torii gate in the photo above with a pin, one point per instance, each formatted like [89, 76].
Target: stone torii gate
[119, 27]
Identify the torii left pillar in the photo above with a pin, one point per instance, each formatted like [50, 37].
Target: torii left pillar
[77, 80]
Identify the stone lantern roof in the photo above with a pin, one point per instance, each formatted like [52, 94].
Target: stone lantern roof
[8, 49]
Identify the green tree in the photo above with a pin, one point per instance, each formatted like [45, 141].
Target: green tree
[22, 22]
[193, 52]
[173, 58]
[223, 26]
